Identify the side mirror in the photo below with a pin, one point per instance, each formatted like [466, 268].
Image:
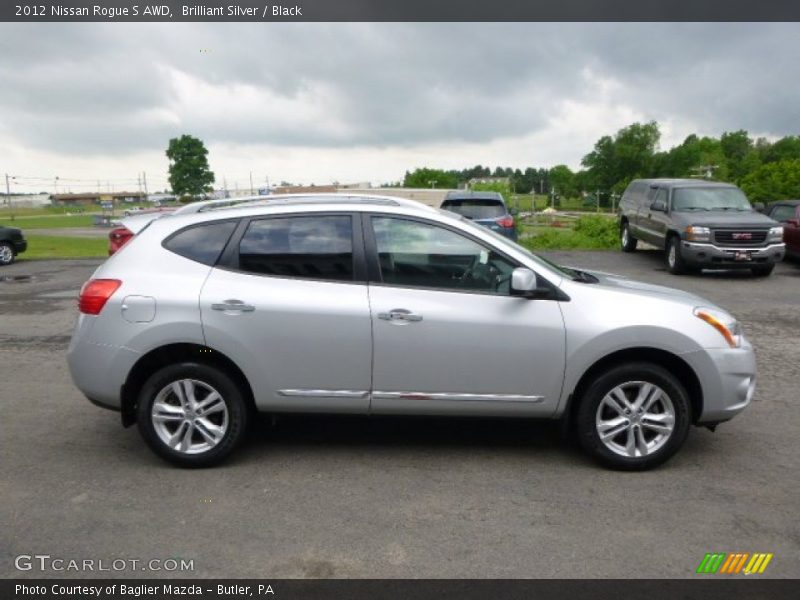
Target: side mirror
[513, 212]
[758, 206]
[523, 280]
[658, 206]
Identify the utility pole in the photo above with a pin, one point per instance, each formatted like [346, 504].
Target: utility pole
[553, 197]
[144, 181]
[597, 197]
[252, 192]
[8, 191]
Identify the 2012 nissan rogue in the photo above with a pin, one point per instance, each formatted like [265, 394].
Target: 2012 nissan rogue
[383, 306]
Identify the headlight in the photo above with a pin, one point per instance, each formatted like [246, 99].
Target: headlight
[775, 234]
[723, 322]
[698, 234]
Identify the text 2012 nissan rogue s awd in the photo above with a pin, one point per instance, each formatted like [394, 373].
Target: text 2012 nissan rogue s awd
[341, 304]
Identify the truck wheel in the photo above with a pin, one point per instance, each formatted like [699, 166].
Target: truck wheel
[763, 270]
[675, 261]
[191, 414]
[633, 417]
[6, 253]
[626, 239]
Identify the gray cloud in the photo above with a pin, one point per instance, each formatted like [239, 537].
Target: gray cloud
[91, 89]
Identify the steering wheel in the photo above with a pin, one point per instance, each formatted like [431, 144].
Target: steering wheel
[469, 272]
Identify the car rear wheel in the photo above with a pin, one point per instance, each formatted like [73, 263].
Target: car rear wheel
[763, 270]
[626, 239]
[633, 417]
[7, 253]
[191, 414]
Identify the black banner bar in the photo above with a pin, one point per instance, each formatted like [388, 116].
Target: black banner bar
[710, 587]
[398, 10]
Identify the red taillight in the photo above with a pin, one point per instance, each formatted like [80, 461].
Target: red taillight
[117, 238]
[505, 222]
[95, 293]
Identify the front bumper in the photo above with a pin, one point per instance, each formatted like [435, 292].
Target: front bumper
[728, 379]
[20, 245]
[709, 255]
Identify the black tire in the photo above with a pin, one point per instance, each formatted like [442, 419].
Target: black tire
[763, 270]
[593, 406]
[676, 264]
[7, 253]
[626, 239]
[231, 421]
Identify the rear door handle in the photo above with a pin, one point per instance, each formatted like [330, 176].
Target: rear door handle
[400, 315]
[233, 305]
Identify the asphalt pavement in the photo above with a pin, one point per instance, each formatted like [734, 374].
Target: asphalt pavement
[392, 497]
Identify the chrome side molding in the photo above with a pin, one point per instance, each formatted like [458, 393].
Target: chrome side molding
[324, 393]
[377, 395]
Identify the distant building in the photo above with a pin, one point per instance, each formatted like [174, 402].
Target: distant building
[429, 196]
[26, 200]
[97, 198]
[305, 189]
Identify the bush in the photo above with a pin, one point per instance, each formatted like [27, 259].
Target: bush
[590, 233]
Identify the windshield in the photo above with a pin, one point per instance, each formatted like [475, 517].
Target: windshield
[710, 198]
[476, 208]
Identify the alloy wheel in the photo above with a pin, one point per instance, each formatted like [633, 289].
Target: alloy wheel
[6, 254]
[190, 416]
[635, 419]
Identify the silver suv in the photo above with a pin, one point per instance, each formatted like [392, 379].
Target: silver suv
[368, 305]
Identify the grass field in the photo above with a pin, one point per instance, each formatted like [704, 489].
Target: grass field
[47, 221]
[47, 246]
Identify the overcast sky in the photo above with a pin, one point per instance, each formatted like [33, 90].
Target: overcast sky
[364, 102]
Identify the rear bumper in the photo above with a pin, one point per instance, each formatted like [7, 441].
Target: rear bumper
[98, 370]
[709, 255]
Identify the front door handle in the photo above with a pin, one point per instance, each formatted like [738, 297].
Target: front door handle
[399, 315]
[233, 305]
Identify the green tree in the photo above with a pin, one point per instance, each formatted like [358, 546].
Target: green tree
[740, 154]
[773, 181]
[430, 178]
[189, 174]
[629, 154]
[786, 148]
[495, 186]
[563, 180]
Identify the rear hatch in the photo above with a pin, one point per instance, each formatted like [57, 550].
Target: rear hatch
[484, 211]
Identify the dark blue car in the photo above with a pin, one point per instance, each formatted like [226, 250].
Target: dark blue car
[484, 208]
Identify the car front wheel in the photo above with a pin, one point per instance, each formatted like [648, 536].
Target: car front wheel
[191, 414]
[676, 264]
[6, 253]
[627, 241]
[633, 417]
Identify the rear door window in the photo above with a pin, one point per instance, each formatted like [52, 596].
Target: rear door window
[311, 247]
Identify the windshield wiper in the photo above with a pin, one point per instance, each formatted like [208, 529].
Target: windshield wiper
[584, 277]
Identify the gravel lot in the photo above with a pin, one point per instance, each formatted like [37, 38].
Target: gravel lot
[358, 497]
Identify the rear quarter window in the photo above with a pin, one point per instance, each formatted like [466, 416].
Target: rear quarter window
[202, 243]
